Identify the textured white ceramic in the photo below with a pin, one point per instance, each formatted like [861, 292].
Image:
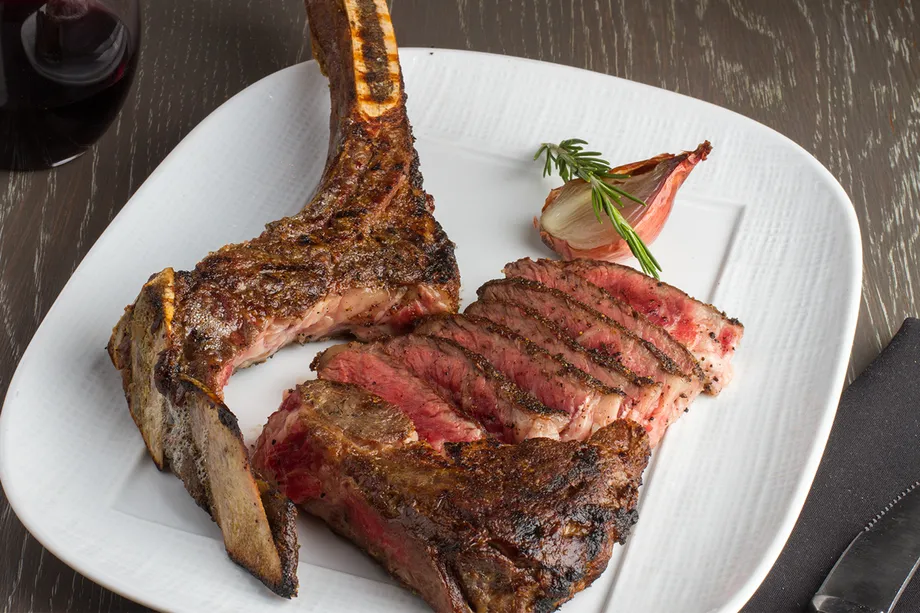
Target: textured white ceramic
[761, 229]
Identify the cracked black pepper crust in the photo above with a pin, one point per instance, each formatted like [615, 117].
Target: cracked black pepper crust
[369, 227]
[490, 527]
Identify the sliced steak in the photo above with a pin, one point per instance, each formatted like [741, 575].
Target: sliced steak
[642, 393]
[364, 256]
[595, 331]
[589, 403]
[511, 528]
[709, 334]
[436, 420]
[474, 385]
[557, 277]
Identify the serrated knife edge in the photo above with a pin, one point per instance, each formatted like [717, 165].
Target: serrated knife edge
[890, 506]
[871, 574]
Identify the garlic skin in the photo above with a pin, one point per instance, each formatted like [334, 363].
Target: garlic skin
[569, 226]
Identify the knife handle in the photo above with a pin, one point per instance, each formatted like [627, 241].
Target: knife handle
[833, 604]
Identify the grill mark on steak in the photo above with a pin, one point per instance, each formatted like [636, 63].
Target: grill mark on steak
[474, 385]
[558, 276]
[556, 383]
[706, 332]
[489, 527]
[365, 256]
[436, 420]
[643, 393]
[595, 331]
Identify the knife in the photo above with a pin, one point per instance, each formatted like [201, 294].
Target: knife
[874, 570]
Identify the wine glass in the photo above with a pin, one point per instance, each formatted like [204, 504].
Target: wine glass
[65, 69]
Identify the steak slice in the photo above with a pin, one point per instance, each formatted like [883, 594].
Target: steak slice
[490, 527]
[557, 277]
[642, 393]
[364, 256]
[474, 385]
[595, 331]
[709, 334]
[589, 403]
[436, 420]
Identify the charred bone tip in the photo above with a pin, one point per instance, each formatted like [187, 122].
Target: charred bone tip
[375, 56]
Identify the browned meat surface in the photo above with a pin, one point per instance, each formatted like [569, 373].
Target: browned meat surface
[708, 334]
[589, 403]
[475, 386]
[490, 527]
[595, 331]
[642, 393]
[365, 256]
[557, 277]
[436, 420]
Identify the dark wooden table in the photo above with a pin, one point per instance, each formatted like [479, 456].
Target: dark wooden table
[840, 77]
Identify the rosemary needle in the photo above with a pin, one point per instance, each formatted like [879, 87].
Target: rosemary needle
[571, 161]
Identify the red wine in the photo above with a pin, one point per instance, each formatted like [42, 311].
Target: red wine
[65, 69]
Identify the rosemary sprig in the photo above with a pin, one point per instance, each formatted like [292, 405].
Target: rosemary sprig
[571, 160]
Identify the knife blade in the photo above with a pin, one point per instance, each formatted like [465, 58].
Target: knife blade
[874, 570]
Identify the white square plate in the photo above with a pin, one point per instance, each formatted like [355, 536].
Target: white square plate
[760, 229]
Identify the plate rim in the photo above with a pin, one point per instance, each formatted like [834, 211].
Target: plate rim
[97, 572]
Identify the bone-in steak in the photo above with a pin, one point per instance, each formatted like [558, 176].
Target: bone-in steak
[512, 528]
[364, 256]
[589, 403]
[596, 331]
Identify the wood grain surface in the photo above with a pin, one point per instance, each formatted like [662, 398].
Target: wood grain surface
[839, 77]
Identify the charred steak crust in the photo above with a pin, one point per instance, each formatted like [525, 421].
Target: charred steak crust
[667, 364]
[365, 256]
[557, 275]
[485, 369]
[476, 387]
[364, 364]
[485, 308]
[441, 386]
[591, 329]
[431, 322]
[556, 383]
[643, 393]
[704, 331]
[489, 527]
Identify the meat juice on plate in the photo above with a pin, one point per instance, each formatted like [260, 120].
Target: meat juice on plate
[65, 69]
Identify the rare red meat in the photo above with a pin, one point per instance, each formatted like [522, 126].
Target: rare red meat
[642, 393]
[595, 331]
[549, 274]
[436, 420]
[709, 334]
[589, 403]
[488, 527]
[475, 386]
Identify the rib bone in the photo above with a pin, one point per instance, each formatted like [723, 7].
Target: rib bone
[365, 257]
